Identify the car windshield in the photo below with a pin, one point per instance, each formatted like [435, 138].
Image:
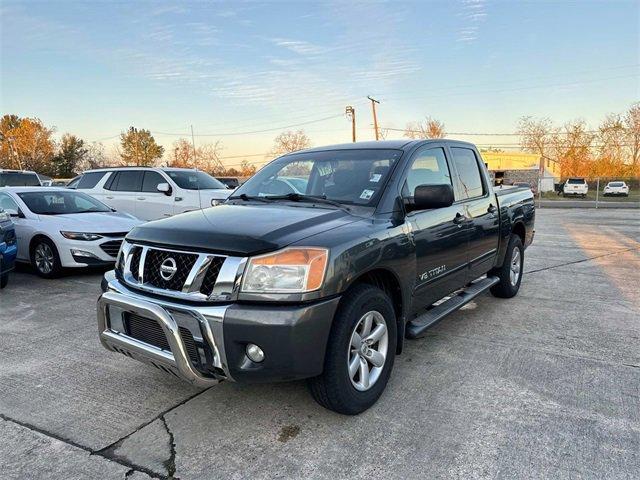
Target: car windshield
[61, 202]
[576, 181]
[616, 184]
[18, 179]
[194, 180]
[355, 177]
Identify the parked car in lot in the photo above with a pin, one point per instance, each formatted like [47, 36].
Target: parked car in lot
[8, 247]
[58, 228]
[616, 188]
[575, 187]
[152, 193]
[230, 182]
[19, 178]
[324, 284]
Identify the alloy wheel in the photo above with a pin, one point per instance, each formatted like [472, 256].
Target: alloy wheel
[367, 350]
[44, 258]
[514, 271]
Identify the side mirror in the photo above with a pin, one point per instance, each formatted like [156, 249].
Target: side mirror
[432, 196]
[15, 213]
[164, 188]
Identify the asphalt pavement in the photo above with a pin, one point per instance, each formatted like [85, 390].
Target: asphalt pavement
[544, 385]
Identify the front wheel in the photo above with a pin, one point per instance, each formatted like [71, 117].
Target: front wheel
[510, 273]
[45, 258]
[360, 352]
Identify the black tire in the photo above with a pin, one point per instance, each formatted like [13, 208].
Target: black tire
[56, 267]
[506, 288]
[334, 389]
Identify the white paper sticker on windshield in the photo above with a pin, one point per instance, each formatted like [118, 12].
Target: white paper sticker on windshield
[376, 177]
[366, 194]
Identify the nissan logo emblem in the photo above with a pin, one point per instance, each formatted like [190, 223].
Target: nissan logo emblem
[168, 269]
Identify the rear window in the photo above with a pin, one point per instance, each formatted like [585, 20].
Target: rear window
[90, 180]
[576, 181]
[19, 179]
[616, 184]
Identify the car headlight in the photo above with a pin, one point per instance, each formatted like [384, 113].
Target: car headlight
[292, 270]
[88, 237]
[4, 216]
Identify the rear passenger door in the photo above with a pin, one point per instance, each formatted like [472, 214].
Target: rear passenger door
[153, 204]
[481, 210]
[123, 190]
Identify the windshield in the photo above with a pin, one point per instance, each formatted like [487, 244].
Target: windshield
[61, 202]
[194, 180]
[576, 181]
[354, 177]
[616, 184]
[17, 179]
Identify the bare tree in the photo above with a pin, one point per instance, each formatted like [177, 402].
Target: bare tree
[290, 141]
[632, 125]
[572, 147]
[429, 128]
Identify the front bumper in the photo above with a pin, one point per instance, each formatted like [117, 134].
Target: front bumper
[293, 337]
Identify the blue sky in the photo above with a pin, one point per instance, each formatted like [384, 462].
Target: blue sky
[95, 68]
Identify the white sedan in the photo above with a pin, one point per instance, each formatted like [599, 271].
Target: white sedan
[59, 228]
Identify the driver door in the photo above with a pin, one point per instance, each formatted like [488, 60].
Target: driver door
[439, 237]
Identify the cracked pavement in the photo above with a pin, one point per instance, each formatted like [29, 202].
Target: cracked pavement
[543, 385]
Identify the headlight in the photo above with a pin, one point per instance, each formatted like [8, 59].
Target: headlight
[292, 270]
[81, 236]
[4, 216]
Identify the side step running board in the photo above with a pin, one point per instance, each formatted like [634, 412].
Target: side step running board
[417, 327]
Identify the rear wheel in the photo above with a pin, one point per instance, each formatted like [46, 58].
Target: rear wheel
[360, 352]
[45, 258]
[510, 273]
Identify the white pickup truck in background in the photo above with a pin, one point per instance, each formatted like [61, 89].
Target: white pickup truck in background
[151, 193]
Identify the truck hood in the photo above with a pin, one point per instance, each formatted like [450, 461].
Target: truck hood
[240, 230]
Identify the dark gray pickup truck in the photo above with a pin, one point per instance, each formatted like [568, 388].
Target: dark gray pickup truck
[318, 267]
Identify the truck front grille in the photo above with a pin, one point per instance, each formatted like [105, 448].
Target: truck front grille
[150, 332]
[193, 276]
[156, 258]
[211, 276]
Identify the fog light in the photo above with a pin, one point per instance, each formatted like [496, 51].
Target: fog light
[82, 253]
[255, 353]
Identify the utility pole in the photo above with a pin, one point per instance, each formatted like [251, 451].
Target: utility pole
[375, 118]
[193, 142]
[351, 114]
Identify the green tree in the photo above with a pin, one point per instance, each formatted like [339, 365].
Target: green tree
[138, 147]
[71, 154]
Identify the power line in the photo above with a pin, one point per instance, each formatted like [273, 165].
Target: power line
[226, 134]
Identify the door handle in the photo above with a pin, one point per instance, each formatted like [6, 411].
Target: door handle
[141, 198]
[492, 209]
[459, 219]
[109, 197]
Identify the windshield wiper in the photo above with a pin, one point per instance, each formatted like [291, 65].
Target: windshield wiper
[246, 198]
[298, 197]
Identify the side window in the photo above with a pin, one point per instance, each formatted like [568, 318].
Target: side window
[7, 203]
[128, 181]
[151, 181]
[89, 180]
[429, 167]
[74, 183]
[469, 179]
